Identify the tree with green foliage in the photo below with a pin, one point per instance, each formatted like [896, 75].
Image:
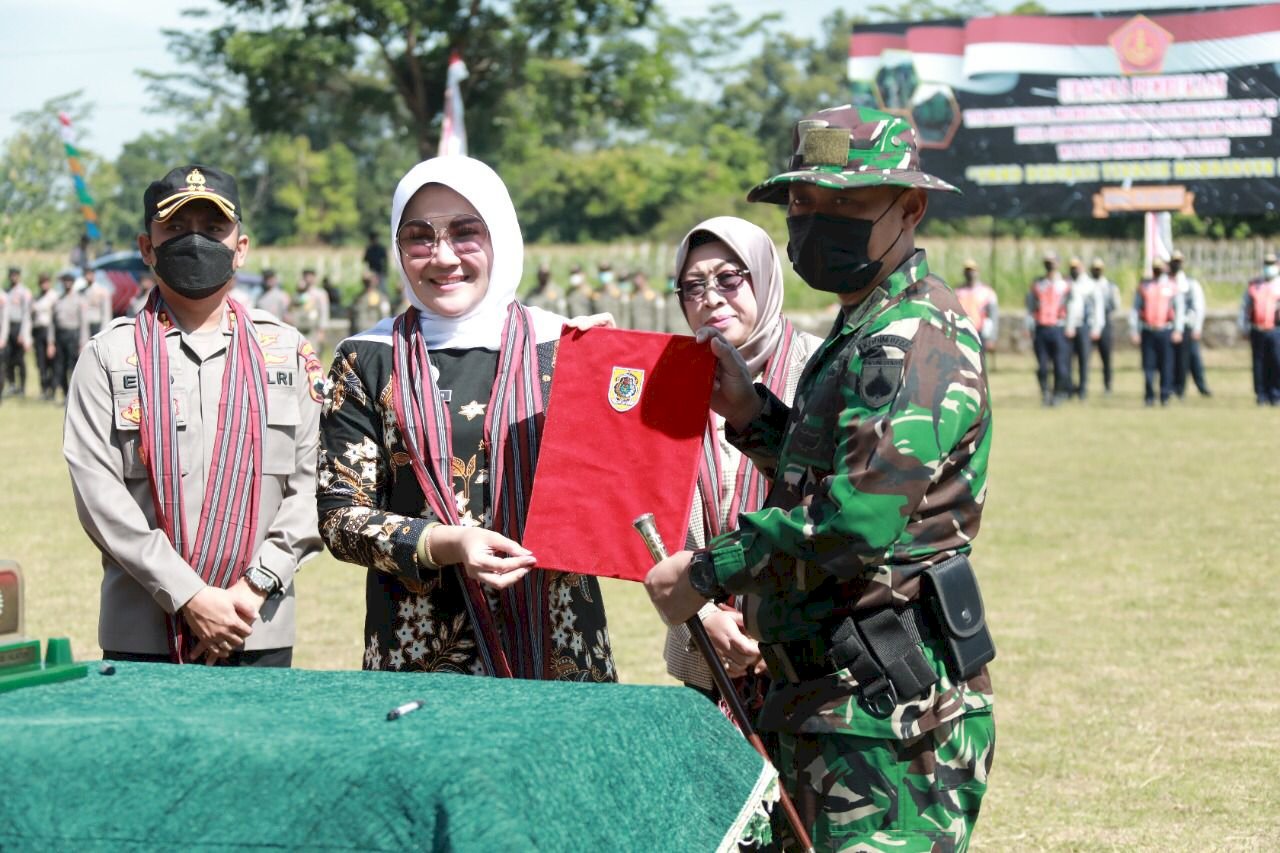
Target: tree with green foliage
[38, 204]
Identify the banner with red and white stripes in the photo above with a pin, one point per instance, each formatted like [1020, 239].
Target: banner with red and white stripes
[1079, 115]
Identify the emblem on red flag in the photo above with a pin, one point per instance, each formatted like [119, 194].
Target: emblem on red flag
[624, 388]
[1141, 45]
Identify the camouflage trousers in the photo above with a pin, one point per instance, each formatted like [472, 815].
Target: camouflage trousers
[909, 796]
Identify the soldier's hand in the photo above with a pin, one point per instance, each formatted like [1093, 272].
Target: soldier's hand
[486, 555]
[739, 652]
[734, 394]
[670, 591]
[1195, 336]
[1177, 337]
[1136, 339]
[1096, 336]
[604, 320]
[217, 619]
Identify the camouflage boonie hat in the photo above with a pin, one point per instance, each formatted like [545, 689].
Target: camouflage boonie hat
[844, 148]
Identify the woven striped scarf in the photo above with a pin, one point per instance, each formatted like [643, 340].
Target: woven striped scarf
[750, 486]
[512, 426]
[224, 540]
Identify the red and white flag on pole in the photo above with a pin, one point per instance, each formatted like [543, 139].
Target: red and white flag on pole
[453, 131]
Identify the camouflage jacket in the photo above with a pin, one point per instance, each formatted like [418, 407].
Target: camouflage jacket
[878, 468]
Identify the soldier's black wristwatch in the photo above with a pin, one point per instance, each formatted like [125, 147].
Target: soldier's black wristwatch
[702, 577]
[261, 581]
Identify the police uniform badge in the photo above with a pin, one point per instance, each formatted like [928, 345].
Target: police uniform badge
[625, 385]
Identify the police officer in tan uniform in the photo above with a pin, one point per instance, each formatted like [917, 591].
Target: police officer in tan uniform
[191, 437]
[97, 302]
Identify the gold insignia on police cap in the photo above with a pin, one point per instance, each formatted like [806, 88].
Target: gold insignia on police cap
[195, 181]
[625, 385]
[826, 146]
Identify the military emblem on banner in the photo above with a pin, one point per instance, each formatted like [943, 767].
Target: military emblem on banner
[625, 386]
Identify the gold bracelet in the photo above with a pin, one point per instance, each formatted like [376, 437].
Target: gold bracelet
[423, 550]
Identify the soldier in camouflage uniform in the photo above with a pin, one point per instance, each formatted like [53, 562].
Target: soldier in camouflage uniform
[884, 714]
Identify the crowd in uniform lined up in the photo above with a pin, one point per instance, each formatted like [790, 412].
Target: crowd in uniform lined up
[1068, 316]
[55, 323]
[631, 298]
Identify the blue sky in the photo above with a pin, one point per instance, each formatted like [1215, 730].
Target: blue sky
[51, 47]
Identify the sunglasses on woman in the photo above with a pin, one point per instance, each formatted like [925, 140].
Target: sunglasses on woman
[726, 283]
[465, 233]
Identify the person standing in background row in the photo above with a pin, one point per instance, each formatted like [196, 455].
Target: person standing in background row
[647, 305]
[273, 299]
[982, 307]
[42, 332]
[146, 283]
[97, 302]
[579, 299]
[673, 312]
[609, 298]
[375, 258]
[68, 333]
[1107, 293]
[1084, 324]
[335, 296]
[1260, 317]
[371, 306]
[18, 332]
[1047, 320]
[310, 312]
[1155, 320]
[546, 294]
[1186, 355]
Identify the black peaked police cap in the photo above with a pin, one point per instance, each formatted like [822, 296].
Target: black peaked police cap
[184, 184]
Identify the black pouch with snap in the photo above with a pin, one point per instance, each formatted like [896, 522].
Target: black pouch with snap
[961, 620]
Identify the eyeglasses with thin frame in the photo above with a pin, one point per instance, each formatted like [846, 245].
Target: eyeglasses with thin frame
[725, 282]
[466, 233]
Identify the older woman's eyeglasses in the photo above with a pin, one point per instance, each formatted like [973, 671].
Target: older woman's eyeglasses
[725, 282]
[466, 233]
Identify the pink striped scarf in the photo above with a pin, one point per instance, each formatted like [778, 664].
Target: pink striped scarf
[515, 647]
[224, 540]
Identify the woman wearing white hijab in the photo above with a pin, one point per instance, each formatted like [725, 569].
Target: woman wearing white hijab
[728, 276]
[429, 436]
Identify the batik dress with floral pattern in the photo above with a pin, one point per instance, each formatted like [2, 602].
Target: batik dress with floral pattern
[372, 512]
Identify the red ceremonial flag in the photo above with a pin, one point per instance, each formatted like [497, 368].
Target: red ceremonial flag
[622, 437]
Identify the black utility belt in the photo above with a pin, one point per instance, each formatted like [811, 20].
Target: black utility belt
[882, 648]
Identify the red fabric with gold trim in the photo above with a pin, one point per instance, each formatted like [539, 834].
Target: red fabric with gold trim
[623, 433]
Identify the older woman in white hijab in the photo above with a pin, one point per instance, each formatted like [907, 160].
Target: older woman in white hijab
[429, 434]
[729, 277]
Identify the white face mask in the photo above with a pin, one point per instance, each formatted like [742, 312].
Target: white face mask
[1270, 271]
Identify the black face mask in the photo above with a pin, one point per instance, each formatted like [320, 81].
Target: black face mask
[831, 252]
[194, 265]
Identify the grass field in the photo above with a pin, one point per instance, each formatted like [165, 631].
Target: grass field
[1128, 563]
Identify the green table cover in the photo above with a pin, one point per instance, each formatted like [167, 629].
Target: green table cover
[192, 758]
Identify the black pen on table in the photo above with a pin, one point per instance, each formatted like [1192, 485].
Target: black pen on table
[406, 708]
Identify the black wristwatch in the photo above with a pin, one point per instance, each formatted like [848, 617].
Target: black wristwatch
[702, 577]
[261, 581]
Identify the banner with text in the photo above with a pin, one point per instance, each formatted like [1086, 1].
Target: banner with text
[1071, 116]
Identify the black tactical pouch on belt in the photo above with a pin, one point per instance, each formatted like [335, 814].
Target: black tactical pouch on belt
[961, 620]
